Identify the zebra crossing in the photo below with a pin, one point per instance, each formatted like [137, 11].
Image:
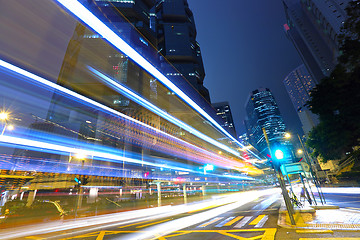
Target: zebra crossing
[236, 222]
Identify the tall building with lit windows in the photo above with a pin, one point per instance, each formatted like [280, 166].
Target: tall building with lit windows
[263, 112]
[176, 33]
[223, 110]
[314, 26]
[298, 84]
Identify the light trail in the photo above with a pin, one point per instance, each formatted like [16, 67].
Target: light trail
[65, 149]
[347, 190]
[94, 23]
[143, 102]
[181, 223]
[94, 223]
[95, 104]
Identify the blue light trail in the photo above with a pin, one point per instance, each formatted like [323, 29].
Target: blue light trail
[94, 23]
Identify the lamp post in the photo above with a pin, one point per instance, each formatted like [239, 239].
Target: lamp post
[313, 173]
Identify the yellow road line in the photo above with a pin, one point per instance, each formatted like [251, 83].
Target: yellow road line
[101, 235]
[233, 221]
[314, 231]
[257, 220]
[35, 237]
[212, 206]
[353, 208]
[149, 224]
[269, 234]
[134, 224]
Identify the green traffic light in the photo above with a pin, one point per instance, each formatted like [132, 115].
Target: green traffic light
[279, 154]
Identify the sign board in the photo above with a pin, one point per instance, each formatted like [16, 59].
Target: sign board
[293, 168]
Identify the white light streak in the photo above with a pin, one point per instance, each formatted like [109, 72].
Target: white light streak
[93, 22]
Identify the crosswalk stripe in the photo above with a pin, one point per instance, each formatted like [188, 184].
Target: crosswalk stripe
[210, 222]
[243, 222]
[262, 222]
[233, 221]
[257, 220]
[224, 222]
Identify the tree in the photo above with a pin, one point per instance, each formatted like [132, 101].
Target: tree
[336, 99]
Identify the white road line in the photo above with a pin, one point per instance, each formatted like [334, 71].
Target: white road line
[262, 222]
[224, 222]
[243, 222]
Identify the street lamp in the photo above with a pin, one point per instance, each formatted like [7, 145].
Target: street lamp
[4, 117]
[299, 151]
[287, 135]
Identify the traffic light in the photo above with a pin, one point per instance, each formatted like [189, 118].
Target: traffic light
[279, 154]
[77, 180]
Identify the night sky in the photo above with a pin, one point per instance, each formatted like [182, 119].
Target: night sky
[244, 47]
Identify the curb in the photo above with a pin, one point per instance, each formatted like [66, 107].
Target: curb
[300, 223]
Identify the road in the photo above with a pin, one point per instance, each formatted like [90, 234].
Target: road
[256, 219]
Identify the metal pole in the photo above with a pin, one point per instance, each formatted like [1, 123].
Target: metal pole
[282, 185]
[307, 159]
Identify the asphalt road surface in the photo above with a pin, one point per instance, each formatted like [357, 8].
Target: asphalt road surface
[254, 220]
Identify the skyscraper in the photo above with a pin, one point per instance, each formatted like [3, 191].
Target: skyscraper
[298, 84]
[313, 26]
[176, 33]
[223, 110]
[263, 112]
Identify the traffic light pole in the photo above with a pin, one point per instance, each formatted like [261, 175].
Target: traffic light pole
[280, 178]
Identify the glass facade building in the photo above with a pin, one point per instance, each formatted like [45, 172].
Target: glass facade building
[176, 33]
[298, 84]
[263, 112]
[223, 110]
[313, 26]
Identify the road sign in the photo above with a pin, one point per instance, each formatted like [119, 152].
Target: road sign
[293, 168]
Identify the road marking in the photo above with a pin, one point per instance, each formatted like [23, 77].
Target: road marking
[153, 223]
[314, 231]
[243, 222]
[210, 222]
[134, 224]
[233, 221]
[101, 235]
[262, 222]
[224, 222]
[35, 237]
[208, 207]
[354, 208]
[268, 234]
[257, 220]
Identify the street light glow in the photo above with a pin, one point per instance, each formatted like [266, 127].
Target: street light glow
[3, 116]
[287, 135]
[299, 151]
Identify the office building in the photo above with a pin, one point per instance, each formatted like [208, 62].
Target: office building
[263, 113]
[223, 110]
[176, 33]
[314, 26]
[298, 84]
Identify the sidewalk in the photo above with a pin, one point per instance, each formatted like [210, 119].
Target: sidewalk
[321, 217]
